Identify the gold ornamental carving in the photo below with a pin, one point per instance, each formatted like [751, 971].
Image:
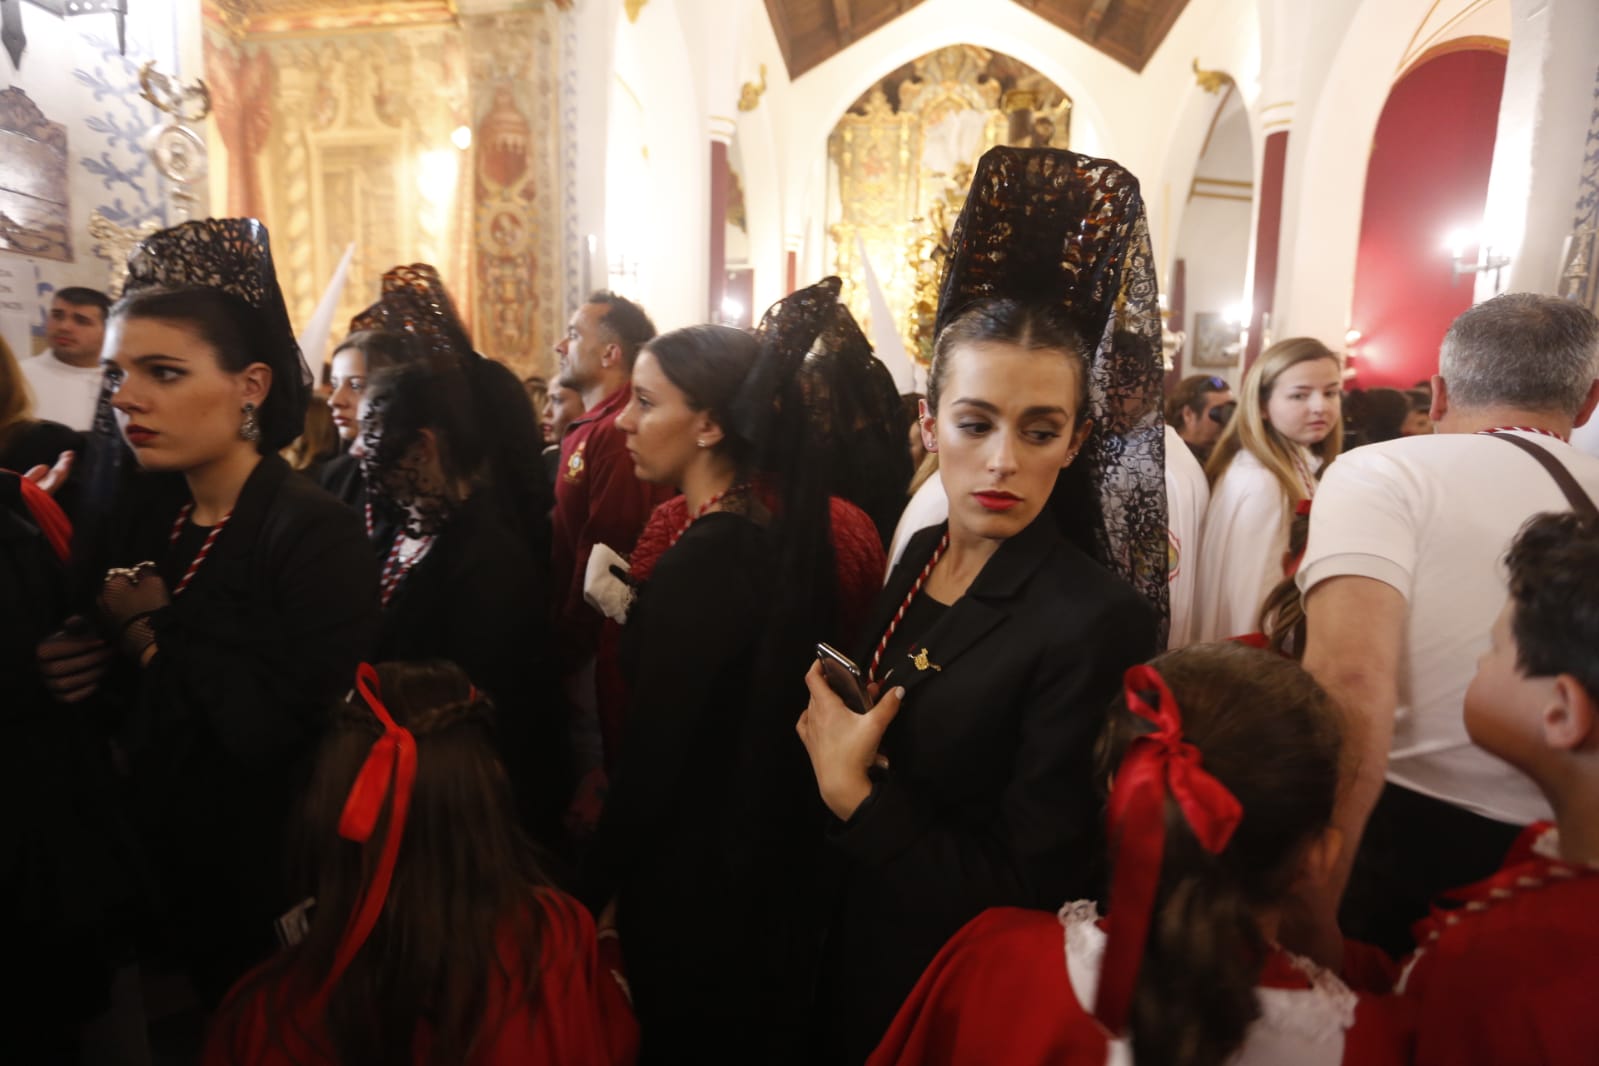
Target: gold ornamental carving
[1212, 81]
[749, 95]
[904, 156]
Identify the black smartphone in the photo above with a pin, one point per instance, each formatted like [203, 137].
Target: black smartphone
[844, 678]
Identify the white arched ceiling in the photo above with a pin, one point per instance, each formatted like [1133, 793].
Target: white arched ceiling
[1329, 148]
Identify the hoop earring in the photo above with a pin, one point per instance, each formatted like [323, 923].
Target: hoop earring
[250, 429]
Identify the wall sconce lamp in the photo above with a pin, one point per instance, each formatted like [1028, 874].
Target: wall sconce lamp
[1459, 241]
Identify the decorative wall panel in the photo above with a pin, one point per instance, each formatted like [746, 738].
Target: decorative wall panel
[516, 195]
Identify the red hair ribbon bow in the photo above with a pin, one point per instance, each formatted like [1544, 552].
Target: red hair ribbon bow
[390, 767]
[1156, 765]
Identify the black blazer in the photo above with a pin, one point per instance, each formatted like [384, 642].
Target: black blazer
[251, 658]
[988, 800]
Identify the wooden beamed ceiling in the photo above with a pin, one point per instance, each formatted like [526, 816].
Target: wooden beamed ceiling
[811, 31]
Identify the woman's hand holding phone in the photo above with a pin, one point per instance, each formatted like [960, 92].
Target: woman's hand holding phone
[841, 743]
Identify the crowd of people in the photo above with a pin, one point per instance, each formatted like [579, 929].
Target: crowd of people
[712, 702]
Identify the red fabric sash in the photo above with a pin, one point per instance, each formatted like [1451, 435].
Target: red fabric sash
[1157, 765]
[389, 767]
[49, 517]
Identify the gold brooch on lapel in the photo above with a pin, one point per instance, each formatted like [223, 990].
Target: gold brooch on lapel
[922, 662]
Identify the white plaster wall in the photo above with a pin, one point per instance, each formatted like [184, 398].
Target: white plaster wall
[72, 70]
[655, 58]
[1356, 49]
[1543, 122]
[596, 44]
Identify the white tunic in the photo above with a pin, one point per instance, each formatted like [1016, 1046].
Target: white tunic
[1187, 495]
[1242, 548]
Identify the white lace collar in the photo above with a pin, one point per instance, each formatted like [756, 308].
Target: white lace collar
[1311, 1020]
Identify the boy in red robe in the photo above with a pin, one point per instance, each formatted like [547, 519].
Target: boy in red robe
[1508, 973]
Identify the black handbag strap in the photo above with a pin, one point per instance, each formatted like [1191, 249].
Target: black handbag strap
[1580, 501]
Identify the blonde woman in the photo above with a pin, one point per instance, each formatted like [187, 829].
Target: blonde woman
[1287, 428]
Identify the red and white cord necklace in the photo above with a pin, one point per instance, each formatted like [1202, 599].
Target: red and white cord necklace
[205, 548]
[396, 567]
[731, 490]
[1526, 429]
[910, 597]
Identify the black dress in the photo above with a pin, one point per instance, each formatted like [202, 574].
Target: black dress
[479, 599]
[250, 658]
[41, 444]
[70, 881]
[988, 800]
[712, 827]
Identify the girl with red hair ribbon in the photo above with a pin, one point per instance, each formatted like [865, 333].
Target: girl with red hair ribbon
[433, 936]
[1223, 764]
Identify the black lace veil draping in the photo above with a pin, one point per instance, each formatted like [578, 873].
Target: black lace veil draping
[1048, 226]
[415, 304]
[228, 255]
[860, 422]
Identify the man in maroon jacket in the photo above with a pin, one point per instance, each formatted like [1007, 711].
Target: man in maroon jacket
[597, 498]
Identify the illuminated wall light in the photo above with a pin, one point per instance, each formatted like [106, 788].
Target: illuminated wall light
[732, 310]
[461, 137]
[435, 176]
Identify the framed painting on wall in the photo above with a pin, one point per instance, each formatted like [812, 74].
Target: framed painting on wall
[35, 216]
[1215, 340]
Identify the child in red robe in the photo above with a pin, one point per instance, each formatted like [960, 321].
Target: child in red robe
[1225, 763]
[434, 938]
[1507, 974]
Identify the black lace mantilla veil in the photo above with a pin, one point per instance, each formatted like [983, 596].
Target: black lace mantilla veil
[229, 255]
[1044, 225]
[858, 419]
[415, 304]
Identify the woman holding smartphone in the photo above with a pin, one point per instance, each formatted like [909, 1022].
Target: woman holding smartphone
[997, 642]
[709, 837]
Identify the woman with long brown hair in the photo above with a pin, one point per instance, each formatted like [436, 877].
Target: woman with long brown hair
[433, 936]
[1265, 467]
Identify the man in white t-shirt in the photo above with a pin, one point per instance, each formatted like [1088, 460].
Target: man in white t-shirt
[65, 381]
[1402, 583]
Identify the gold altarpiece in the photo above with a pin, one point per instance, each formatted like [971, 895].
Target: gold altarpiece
[902, 159]
[343, 124]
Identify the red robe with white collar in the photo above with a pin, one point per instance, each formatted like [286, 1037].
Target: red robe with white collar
[1014, 986]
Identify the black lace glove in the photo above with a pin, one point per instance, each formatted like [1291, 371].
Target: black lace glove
[127, 600]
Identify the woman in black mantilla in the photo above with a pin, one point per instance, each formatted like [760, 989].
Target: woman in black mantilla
[1008, 629]
[242, 597]
[457, 582]
[706, 852]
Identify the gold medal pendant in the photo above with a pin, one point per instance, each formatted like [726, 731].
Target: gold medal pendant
[922, 662]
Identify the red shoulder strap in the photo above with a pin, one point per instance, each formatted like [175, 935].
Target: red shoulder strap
[49, 517]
